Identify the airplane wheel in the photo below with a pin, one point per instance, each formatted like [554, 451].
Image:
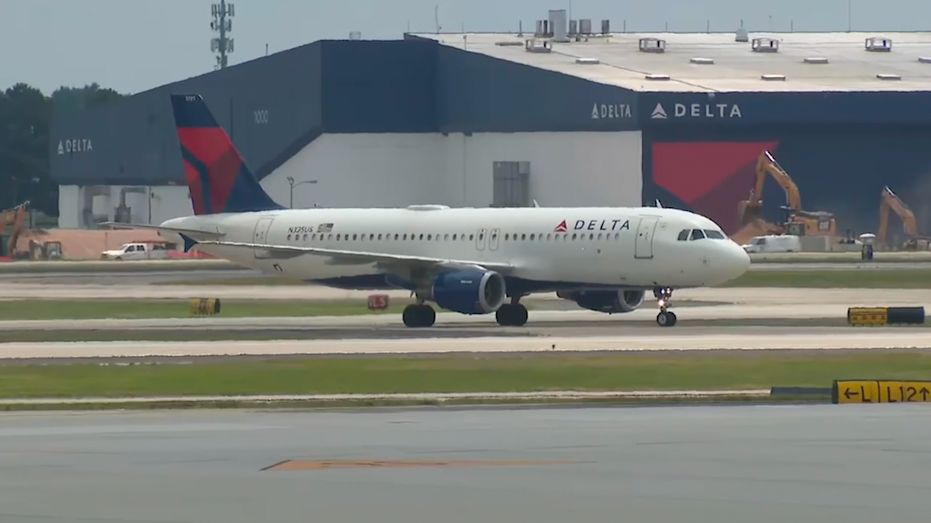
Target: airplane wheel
[418, 316]
[509, 315]
[503, 315]
[666, 319]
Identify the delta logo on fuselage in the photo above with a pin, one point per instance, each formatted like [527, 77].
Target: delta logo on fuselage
[594, 225]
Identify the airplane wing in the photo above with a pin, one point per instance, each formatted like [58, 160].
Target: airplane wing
[342, 257]
[193, 233]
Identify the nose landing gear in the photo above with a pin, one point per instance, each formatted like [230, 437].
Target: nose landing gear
[665, 318]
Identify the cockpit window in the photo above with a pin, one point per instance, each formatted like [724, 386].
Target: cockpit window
[684, 235]
[697, 234]
[714, 235]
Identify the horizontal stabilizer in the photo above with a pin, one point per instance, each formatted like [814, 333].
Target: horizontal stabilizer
[358, 257]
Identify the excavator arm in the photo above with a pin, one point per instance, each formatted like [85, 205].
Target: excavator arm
[750, 210]
[890, 202]
[17, 218]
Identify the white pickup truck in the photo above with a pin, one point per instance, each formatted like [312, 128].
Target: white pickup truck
[138, 251]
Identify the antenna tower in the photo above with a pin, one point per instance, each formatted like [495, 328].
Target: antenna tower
[222, 23]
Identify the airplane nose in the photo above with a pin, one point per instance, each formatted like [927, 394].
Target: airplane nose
[735, 261]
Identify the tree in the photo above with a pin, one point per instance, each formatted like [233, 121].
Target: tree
[25, 120]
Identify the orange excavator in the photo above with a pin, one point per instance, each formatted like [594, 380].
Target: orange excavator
[890, 202]
[798, 222]
[16, 217]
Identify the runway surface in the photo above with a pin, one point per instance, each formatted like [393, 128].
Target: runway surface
[830, 464]
[686, 339]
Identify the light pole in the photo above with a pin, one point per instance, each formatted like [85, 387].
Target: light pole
[293, 185]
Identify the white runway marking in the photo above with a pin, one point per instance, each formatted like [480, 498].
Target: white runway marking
[859, 339]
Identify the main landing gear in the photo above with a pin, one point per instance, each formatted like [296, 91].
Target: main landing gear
[665, 318]
[512, 314]
[420, 315]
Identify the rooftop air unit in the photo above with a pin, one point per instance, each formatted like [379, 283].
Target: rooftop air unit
[816, 60]
[652, 45]
[878, 44]
[765, 45]
[573, 27]
[606, 27]
[585, 26]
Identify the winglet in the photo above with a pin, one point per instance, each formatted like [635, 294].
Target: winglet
[189, 242]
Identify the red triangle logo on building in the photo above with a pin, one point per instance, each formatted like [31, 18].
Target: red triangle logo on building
[562, 227]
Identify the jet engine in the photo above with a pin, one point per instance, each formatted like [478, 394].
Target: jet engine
[469, 292]
[610, 302]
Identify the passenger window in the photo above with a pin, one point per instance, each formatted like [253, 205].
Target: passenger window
[714, 235]
[697, 234]
[454, 237]
[591, 236]
[305, 236]
[421, 236]
[372, 237]
[574, 235]
[471, 236]
[684, 235]
[429, 237]
[446, 236]
[354, 236]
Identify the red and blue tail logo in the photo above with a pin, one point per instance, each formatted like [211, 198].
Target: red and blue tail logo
[217, 176]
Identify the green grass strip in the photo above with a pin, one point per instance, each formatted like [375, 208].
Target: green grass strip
[461, 373]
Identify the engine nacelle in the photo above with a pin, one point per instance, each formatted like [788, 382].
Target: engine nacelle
[610, 302]
[469, 292]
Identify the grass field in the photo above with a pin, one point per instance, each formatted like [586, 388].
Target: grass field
[494, 373]
[910, 278]
[171, 308]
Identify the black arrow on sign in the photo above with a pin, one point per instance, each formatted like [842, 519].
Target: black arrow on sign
[848, 394]
[924, 394]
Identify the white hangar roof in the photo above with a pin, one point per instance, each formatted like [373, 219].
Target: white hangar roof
[716, 62]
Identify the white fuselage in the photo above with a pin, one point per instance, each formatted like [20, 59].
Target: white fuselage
[602, 247]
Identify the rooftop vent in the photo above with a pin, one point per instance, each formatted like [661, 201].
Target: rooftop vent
[742, 35]
[657, 77]
[773, 77]
[925, 59]
[587, 61]
[558, 25]
[888, 76]
[878, 44]
[652, 45]
[537, 46]
[765, 45]
[508, 43]
[585, 26]
[702, 61]
[355, 35]
[816, 60]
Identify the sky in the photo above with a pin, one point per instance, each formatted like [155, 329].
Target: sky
[134, 45]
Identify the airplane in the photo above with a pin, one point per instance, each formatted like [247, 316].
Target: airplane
[466, 260]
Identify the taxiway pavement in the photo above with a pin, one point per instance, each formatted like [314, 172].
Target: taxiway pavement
[831, 464]
[684, 339]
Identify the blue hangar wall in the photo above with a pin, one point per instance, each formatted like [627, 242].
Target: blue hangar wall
[274, 106]
[840, 148]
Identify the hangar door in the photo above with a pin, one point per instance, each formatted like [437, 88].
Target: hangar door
[511, 184]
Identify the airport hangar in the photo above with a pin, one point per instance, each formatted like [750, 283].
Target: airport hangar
[505, 119]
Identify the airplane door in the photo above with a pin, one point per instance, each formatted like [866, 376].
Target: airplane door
[480, 239]
[261, 236]
[493, 239]
[643, 247]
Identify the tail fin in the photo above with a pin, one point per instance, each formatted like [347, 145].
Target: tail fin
[217, 176]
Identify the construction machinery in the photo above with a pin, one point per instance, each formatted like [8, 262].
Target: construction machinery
[797, 222]
[15, 217]
[890, 202]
